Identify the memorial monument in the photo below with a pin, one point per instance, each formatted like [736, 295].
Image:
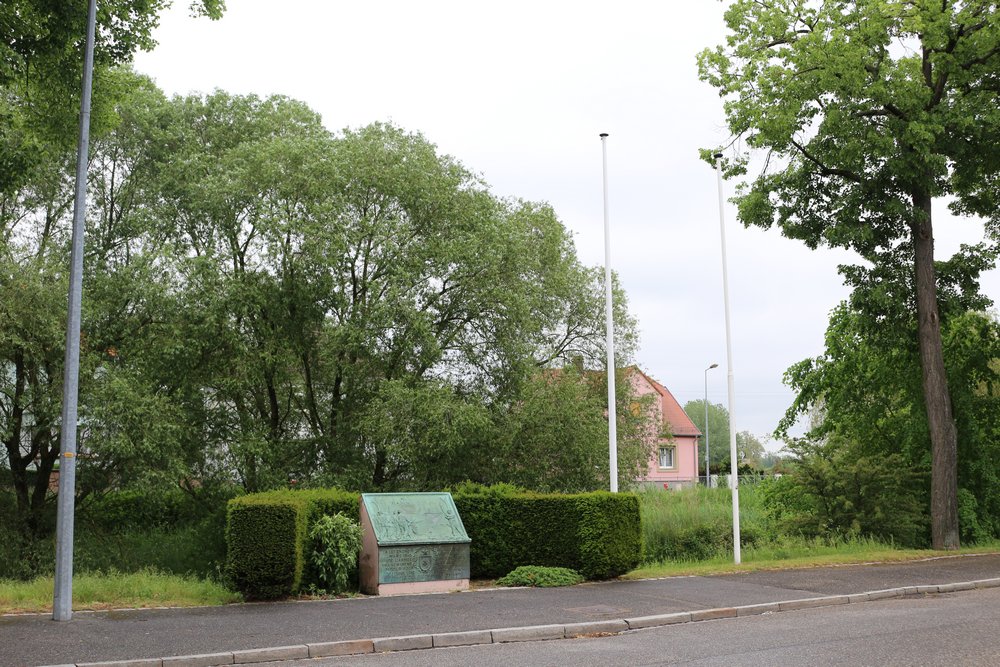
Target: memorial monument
[412, 543]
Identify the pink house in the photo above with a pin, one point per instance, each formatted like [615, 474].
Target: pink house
[674, 459]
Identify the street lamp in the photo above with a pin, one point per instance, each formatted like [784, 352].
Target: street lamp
[708, 474]
[734, 480]
[62, 597]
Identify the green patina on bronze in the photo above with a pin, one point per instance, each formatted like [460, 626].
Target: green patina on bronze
[423, 562]
[414, 518]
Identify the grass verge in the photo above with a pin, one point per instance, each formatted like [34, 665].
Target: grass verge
[803, 555]
[116, 590]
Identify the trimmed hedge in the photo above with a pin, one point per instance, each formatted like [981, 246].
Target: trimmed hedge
[266, 535]
[597, 534]
[144, 509]
[610, 534]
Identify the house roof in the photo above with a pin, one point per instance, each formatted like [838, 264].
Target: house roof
[673, 413]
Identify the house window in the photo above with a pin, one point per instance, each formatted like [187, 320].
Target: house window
[666, 457]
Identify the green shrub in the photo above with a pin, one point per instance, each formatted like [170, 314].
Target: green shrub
[336, 543]
[145, 509]
[839, 489]
[22, 558]
[609, 533]
[266, 535]
[597, 534]
[544, 577]
[971, 529]
[196, 549]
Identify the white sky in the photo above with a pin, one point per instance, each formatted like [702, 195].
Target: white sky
[518, 92]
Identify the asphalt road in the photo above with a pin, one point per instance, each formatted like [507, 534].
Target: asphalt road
[121, 635]
[954, 629]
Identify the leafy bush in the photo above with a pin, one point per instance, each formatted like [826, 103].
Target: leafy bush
[839, 489]
[22, 558]
[598, 534]
[266, 534]
[336, 543]
[171, 530]
[544, 577]
[971, 530]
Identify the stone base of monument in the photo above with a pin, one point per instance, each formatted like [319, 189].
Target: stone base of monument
[412, 543]
[412, 587]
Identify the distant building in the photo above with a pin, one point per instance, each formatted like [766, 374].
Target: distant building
[674, 458]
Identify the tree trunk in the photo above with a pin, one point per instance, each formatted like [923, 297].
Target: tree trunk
[944, 436]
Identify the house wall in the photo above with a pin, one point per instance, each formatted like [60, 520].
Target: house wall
[686, 447]
[685, 458]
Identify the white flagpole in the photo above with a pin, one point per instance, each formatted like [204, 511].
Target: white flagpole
[610, 325]
[734, 480]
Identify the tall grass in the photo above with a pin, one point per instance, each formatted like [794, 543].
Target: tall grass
[126, 531]
[689, 531]
[696, 523]
[147, 588]
[790, 552]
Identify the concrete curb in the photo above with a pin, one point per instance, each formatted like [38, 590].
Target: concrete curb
[527, 633]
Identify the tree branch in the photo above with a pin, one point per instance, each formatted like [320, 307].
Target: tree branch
[827, 171]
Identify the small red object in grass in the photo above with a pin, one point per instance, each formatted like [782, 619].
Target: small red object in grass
[666, 486]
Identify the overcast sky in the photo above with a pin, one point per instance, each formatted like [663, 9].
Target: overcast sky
[519, 92]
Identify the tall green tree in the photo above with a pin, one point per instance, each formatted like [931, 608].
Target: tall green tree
[749, 448]
[332, 286]
[41, 67]
[119, 435]
[266, 300]
[866, 396]
[716, 432]
[555, 438]
[868, 110]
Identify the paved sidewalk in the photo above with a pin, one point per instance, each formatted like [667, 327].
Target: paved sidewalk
[30, 641]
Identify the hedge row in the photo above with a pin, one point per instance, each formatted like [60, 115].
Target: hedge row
[150, 509]
[597, 534]
[266, 534]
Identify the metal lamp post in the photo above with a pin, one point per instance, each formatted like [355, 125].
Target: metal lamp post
[62, 604]
[734, 481]
[708, 473]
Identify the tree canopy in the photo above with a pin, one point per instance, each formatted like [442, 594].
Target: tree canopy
[749, 448]
[41, 69]
[265, 300]
[867, 111]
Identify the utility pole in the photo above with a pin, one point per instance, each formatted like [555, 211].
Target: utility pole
[62, 605]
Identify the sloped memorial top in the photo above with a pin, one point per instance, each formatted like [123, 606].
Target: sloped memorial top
[414, 518]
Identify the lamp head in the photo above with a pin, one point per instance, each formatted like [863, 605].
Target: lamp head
[713, 366]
